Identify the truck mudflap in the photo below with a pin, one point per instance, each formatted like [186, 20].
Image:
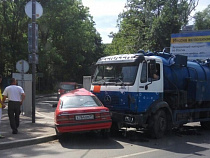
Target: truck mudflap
[129, 120]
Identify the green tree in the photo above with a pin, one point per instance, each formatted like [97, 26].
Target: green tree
[13, 39]
[202, 19]
[68, 41]
[148, 24]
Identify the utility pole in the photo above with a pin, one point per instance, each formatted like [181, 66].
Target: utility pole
[33, 59]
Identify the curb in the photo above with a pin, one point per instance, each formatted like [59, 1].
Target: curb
[25, 142]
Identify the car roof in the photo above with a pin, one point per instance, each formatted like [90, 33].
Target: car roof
[79, 92]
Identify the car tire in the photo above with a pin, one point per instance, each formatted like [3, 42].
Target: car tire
[58, 134]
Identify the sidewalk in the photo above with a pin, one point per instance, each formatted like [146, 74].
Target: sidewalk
[29, 133]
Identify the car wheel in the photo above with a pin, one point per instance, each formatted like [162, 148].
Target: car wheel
[58, 134]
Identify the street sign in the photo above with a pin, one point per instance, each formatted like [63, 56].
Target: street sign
[22, 66]
[28, 10]
[18, 76]
[30, 38]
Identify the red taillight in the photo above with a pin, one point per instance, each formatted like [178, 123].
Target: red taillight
[61, 91]
[105, 115]
[97, 116]
[65, 118]
[71, 117]
[62, 118]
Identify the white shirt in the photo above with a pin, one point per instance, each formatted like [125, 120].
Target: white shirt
[13, 92]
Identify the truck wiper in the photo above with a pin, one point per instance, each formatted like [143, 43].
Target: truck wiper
[117, 81]
[101, 82]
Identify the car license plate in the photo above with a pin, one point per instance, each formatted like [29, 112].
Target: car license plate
[84, 117]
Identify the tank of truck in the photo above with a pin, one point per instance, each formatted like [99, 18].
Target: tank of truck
[190, 76]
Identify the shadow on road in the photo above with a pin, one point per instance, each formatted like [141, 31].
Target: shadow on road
[89, 140]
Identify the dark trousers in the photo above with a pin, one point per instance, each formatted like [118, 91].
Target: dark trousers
[14, 114]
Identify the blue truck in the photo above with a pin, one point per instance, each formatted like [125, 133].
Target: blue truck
[155, 91]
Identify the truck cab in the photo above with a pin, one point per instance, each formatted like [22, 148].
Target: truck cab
[128, 85]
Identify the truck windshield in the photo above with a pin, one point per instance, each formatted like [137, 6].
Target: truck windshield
[116, 74]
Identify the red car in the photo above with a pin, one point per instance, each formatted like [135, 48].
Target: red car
[80, 110]
[65, 87]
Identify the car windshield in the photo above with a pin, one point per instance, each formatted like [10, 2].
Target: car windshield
[79, 101]
[67, 87]
[115, 73]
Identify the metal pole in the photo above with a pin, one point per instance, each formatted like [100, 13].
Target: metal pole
[22, 82]
[33, 59]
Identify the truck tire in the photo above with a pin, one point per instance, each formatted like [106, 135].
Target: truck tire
[158, 124]
[205, 125]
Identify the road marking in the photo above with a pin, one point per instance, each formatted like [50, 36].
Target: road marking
[140, 153]
[44, 115]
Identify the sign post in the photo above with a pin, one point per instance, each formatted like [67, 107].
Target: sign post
[37, 11]
[34, 59]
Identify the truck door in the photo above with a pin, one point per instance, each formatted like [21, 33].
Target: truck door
[150, 85]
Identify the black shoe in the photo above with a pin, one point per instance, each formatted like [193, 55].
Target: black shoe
[14, 132]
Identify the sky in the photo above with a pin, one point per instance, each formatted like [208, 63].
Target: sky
[105, 14]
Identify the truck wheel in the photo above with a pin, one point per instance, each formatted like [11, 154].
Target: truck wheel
[158, 124]
[205, 125]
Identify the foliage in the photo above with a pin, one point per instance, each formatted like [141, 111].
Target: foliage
[202, 19]
[68, 41]
[148, 24]
[13, 31]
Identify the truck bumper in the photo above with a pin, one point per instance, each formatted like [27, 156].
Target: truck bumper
[129, 120]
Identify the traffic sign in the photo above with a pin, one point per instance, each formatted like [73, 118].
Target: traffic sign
[30, 38]
[28, 9]
[22, 66]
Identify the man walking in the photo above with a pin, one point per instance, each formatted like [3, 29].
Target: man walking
[15, 96]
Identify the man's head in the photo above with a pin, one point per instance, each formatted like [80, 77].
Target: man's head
[13, 81]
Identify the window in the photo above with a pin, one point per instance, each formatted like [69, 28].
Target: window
[116, 73]
[155, 76]
[144, 72]
[80, 101]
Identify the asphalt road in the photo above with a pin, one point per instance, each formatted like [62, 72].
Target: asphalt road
[189, 142]
[192, 143]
